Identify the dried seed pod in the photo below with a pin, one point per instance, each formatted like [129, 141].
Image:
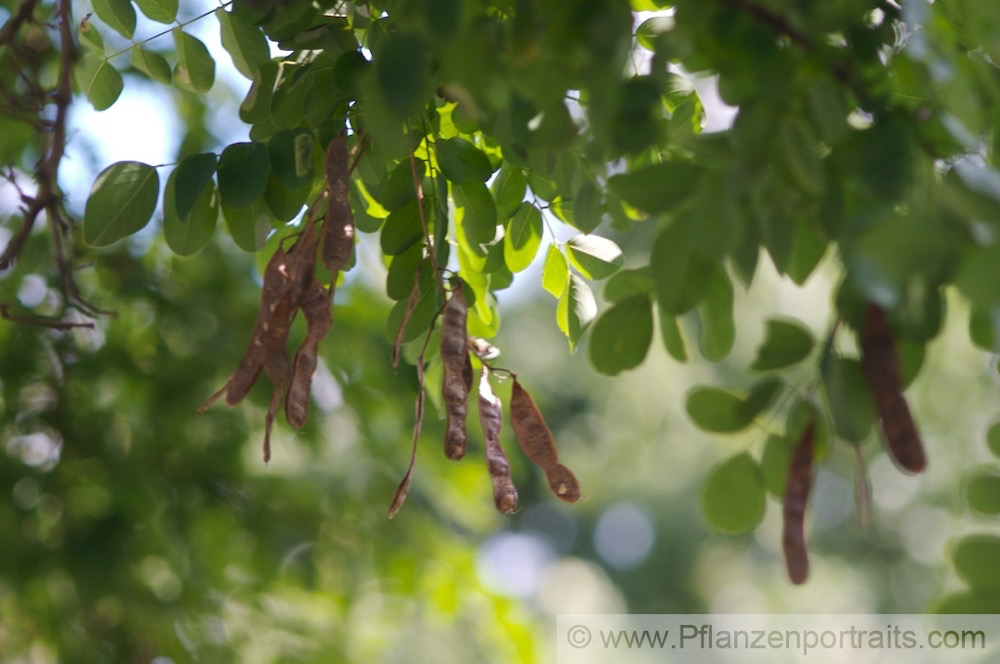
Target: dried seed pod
[483, 349]
[319, 319]
[797, 489]
[491, 420]
[862, 488]
[338, 225]
[880, 363]
[457, 381]
[536, 440]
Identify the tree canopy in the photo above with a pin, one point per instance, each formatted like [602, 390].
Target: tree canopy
[427, 167]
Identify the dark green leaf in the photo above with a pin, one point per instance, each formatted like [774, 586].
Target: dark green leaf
[244, 42]
[786, 342]
[802, 156]
[670, 332]
[622, 335]
[976, 558]
[292, 157]
[243, 173]
[717, 410]
[249, 226]
[849, 398]
[98, 80]
[733, 496]
[993, 439]
[595, 257]
[479, 212]
[627, 283]
[508, 190]
[186, 237]
[523, 237]
[195, 70]
[461, 161]
[402, 229]
[715, 317]
[151, 64]
[284, 203]
[983, 493]
[193, 175]
[256, 107]
[658, 188]
[555, 274]
[681, 276]
[399, 189]
[402, 67]
[118, 14]
[121, 202]
[403, 272]
[161, 11]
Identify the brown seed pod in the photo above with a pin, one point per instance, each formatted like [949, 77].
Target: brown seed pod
[491, 420]
[797, 489]
[880, 363]
[537, 443]
[319, 319]
[457, 381]
[338, 225]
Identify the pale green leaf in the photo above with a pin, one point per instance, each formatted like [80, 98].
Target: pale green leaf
[733, 497]
[151, 64]
[121, 202]
[244, 42]
[622, 335]
[195, 70]
[523, 238]
[555, 274]
[119, 15]
[99, 81]
[595, 257]
[161, 11]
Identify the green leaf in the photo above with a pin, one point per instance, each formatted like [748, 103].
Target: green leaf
[90, 38]
[256, 107]
[461, 161]
[555, 274]
[993, 439]
[786, 342]
[292, 157]
[98, 80]
[733, 496]
[715, 317]
[983, 493]
[284, 203]
[249, 226]
[402, 273]
[479, 216]
[576, 310]
[801, 153]
[657, 188]
[194, 174]
[595, 257]
[118, 14]
[195, 70]
[402, 65]
[189, 236]
[522, 239]
[975, 559]
[979, 274]
[651, 29]
[244, 169]
[151, 64]
[774, 464]
[681, 276]
[402, 229]
[622, 335]
[968, 602]
[849, 398]
[399, 189]
[627, 283]
[244, 42]
[161, 11]
[670, 332]
[808, 249]
[508, 190]
[723, 411]
[121, 202]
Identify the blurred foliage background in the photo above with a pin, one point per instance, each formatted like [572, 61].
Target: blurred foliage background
[135, 530]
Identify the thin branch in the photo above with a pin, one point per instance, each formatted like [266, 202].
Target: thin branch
[44, 321]
[168, 31]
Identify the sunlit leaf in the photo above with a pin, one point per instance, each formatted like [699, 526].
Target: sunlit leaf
[576, 310]
[118, 14]
[595, 257]
[523, 238]
[555, 274]
[161, 11]
[151, 64]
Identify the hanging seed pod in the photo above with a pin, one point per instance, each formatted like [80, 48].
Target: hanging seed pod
[880, 363]
[338, 225]
[276, 283]
[537, 443]
[457, 372]
[319, 319]
[491, 420]
[483, 349]
[797, 489]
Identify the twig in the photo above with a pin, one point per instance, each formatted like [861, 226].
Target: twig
[23, 14]
[44, 321]
[431, 249]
